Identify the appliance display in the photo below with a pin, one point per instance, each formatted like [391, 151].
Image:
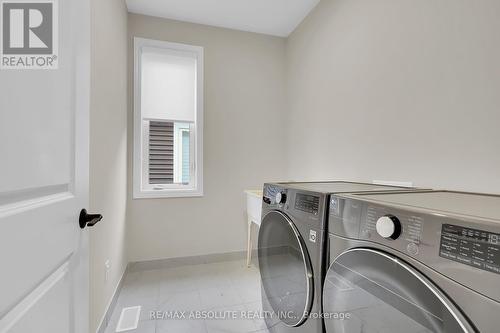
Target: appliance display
[307, 203]
[477, 248]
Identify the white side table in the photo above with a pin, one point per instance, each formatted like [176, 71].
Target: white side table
[254, 213]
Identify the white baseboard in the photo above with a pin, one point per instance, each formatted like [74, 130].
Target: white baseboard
[111, 305]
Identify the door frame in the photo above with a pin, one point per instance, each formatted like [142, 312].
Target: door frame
[83, 68]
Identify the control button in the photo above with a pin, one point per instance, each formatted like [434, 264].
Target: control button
[388, 226]
[266, 200]
[412, 249]
[312, 236]
[280, 197]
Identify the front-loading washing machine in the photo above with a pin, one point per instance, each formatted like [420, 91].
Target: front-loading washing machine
[291, 251]
[413, 262]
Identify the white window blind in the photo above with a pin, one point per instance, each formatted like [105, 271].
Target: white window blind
[168, 85]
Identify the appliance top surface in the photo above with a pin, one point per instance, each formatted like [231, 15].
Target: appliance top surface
[341, 187]
[468, 204]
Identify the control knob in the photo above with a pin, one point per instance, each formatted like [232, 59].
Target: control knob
[388, 226]
[280, 197]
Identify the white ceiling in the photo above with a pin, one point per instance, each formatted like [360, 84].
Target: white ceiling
[272, 17]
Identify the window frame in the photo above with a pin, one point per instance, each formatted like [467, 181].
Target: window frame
[140, 171]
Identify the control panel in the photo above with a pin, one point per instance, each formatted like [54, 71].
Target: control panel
[477, 248]
[401, 230]
[302, 207]
[307, 203]
[441, 242]
[274, 195]
[408, 227]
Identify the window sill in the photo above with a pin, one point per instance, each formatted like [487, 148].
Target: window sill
[168, 193]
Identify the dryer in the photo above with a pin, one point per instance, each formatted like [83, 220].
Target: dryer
[413, 262]
[291, 251]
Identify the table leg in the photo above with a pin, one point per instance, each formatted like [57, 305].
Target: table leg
[249, 242]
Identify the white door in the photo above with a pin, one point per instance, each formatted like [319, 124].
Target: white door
[44, 185]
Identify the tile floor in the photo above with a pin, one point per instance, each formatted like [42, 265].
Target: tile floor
[219, 287]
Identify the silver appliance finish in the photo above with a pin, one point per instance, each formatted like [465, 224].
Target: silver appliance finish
[292, 259]
[450, 240]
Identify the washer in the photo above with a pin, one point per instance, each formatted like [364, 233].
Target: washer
[413, 262]
[292, 239]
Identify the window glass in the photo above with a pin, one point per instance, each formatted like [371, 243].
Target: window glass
[185, 156]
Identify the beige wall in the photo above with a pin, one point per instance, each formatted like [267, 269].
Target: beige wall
[244, 141]
[397, 90]
[108, 151]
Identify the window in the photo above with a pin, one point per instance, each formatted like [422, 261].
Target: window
[168, 119]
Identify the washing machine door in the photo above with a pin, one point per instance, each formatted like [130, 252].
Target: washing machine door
[285, 269]
[370, 291]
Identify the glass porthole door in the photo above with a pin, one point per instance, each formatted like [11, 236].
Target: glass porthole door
[285, 268]
[381, 294]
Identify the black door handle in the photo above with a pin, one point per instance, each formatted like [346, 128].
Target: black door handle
[88, 219]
